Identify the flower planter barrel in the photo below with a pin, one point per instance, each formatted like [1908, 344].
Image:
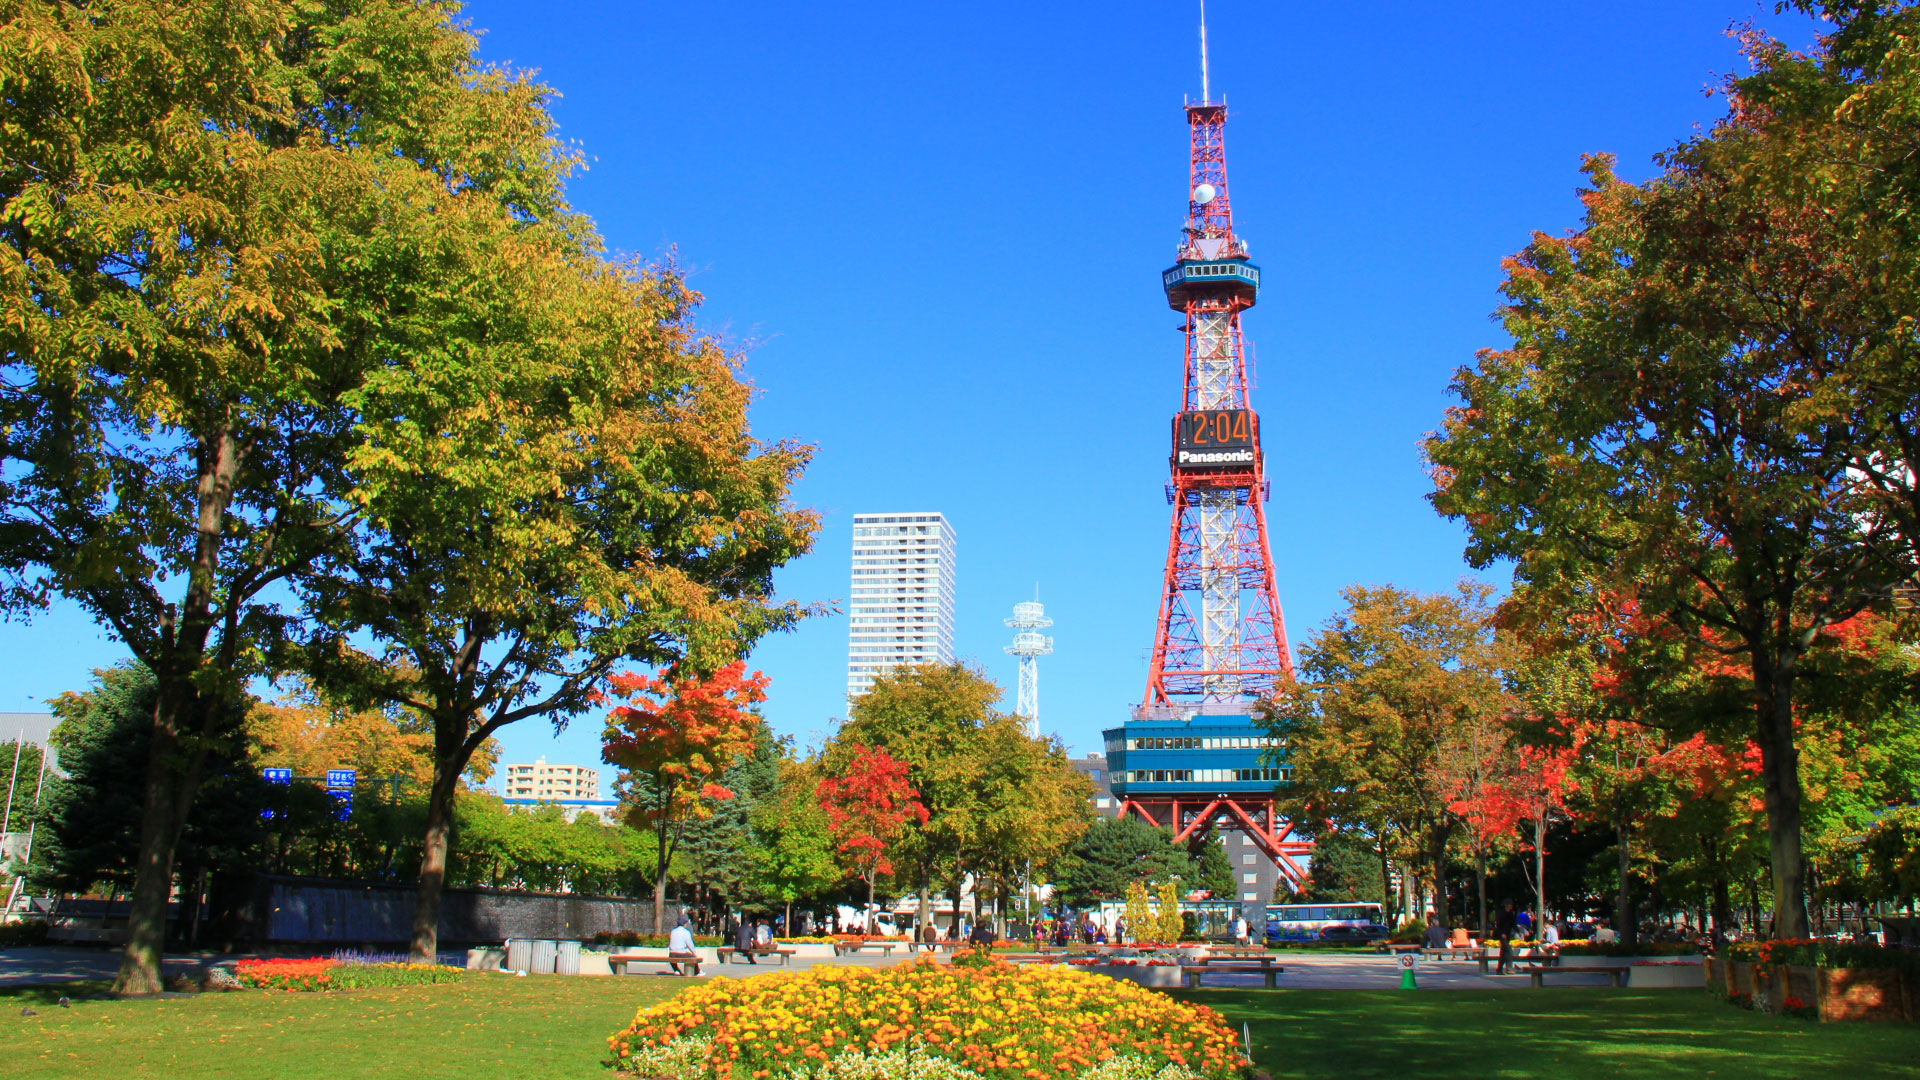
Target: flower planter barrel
[1835, 993]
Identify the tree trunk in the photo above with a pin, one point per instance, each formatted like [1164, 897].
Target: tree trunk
[153, 877]
[1442, 905]
[871, 876]
[1780, 774]
[1386, 886]
[1539, 874]
[433, 866]
[1480, 881]
[170, 782]
[1625, 924]
[1722, 901]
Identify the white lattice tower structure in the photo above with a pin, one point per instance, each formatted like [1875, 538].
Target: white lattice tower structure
[1029, 618]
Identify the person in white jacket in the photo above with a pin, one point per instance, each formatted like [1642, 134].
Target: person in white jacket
[680, 943]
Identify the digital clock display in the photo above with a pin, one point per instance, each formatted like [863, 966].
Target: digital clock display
[1216, 439]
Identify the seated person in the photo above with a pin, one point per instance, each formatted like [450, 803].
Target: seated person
[680, 943]
[1459, 939]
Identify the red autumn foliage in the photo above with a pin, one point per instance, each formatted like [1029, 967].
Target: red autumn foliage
[867, 808]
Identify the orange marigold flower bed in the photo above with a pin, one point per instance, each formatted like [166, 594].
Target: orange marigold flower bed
[997, 1022]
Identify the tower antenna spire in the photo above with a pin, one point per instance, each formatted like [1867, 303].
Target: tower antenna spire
[1206, 94]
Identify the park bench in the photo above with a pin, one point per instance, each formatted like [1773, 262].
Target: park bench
[1191, 974]
[1527, 953]
[728, 950]
[841, 948]
[1248, 951]
[933, 946]
[618, 962]
[1616, 974]
[1453, 952]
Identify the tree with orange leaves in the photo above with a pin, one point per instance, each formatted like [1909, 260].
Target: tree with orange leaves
[676, 735]
[868, 805]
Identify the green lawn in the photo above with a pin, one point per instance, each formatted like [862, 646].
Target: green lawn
[483, 1026]
[538, 1028]
[1567, 1033]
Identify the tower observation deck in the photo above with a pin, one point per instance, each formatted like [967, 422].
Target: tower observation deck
[1191, 757]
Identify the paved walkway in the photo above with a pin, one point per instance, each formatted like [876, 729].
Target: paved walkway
[1306, 971]
[70, 963]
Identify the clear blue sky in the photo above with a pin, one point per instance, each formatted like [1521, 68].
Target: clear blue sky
[938, 229]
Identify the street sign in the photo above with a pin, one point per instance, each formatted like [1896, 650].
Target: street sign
[278, 776]
[339, 778]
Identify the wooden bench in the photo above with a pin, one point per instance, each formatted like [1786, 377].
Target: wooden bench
[933, 946]
[619, 961]
[1191, 974]
[1529, 954]
[1453, 952]
[1616, 974]
[727, 950]
[841, 948]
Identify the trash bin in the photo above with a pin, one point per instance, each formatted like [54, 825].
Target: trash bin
[544, 951]
[567, 962]
[519, 955]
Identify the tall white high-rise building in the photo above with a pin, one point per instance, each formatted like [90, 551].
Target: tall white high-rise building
[901, 606]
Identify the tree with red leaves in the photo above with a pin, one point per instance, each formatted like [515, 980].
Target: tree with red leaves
[677, 733]
[869, 805]
[1530, 787]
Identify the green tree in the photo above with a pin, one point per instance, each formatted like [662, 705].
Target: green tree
[1113, 855]
[793, 856]
[932, 717]
[87, 827]
[1711, 384]
[1388, 689]
[184, 193]
[1343, 870]
[1211, 870]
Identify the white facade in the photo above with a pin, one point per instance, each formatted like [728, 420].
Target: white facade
[901, 605]
[542, 782]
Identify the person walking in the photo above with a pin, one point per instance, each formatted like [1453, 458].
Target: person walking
[1506, 925]
[1240, 935]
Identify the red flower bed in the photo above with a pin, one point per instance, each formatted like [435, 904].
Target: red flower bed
[292, 976]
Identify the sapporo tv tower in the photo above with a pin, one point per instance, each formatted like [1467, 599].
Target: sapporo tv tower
[1191, 758]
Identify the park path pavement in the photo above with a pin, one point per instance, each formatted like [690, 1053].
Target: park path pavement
[35, 964]
[1306, 971]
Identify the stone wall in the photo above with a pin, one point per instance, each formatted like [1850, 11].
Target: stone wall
[284, 911]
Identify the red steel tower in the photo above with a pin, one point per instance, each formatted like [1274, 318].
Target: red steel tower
[1221, 635]
[1192, 757]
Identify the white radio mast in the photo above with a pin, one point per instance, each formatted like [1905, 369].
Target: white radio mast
[1029, 618]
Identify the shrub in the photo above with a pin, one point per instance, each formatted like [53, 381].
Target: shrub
[923, 1019]
[627, 939]
[1810, 952]
[1618, 948]
[21, 934]
[1744, 1001]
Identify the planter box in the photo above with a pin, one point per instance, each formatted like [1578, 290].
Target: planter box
[1570, 961]
[1864, 994]
[1165, 977]
[1740, 978]
[1655, 976]
[820, 951]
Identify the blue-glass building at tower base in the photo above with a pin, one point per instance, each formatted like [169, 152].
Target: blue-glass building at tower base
[1190, 767]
